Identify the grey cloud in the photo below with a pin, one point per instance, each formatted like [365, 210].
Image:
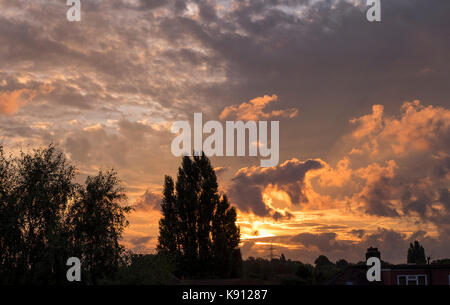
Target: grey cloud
[323, 241]
[358, 233]
[248, 184]
[152, 4]
[220, 170]
[139, 241]
[281, 216]
[377, 198]
[328, 228]
[394, 245]
[129, 147]
[333, 47]
[140, 244]
[149, 200]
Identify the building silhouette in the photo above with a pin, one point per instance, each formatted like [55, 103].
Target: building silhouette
[402, 274]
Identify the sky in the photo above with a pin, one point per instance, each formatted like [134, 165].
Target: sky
[364, 111]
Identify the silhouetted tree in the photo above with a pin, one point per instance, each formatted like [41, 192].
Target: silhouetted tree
[225, 236]
[198, 226]
[11, 242]
[46, 218]
[212, 220]
[258, 268]
[416, 254]
[324, 270]
[342, 263]
[305, 272]
[145, 269]
[169, 235]
[444, 261]
[236, 264]
[37, 194]
[322, 261]
[97, 220]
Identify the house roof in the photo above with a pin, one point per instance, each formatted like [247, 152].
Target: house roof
[356, 274]
[416, 267]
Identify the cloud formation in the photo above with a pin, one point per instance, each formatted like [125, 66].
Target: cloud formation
[150, 200]
[130, 68]
[11, 102]
[414, 148]
[419, 128]
[248, 185]
[400, 174]
[254, 110]
[324, 242]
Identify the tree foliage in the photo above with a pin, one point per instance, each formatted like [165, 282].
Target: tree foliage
[416, 254]
[322, 261]
[144, 269]
[46, 218]
[306, 274]
[198, 228]
[96, 223]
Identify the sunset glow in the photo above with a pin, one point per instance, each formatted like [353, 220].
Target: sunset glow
[363, 111]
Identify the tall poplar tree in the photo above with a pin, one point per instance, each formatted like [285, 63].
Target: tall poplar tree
[198, 227]
[416, 254]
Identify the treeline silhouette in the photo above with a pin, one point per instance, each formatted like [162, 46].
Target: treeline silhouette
[286, 271]
[151, 269]
[46, 217]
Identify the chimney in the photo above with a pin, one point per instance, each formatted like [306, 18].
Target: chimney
[373, 252]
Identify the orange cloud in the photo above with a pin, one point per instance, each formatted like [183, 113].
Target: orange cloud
[338, 176]
[419, 128]
[374, 171]
[378, 194]
[249, 184]
[10, 102]
[369, 123]
[149, 200]
[253, 110]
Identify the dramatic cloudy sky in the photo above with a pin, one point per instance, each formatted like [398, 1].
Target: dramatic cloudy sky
[364, 110]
